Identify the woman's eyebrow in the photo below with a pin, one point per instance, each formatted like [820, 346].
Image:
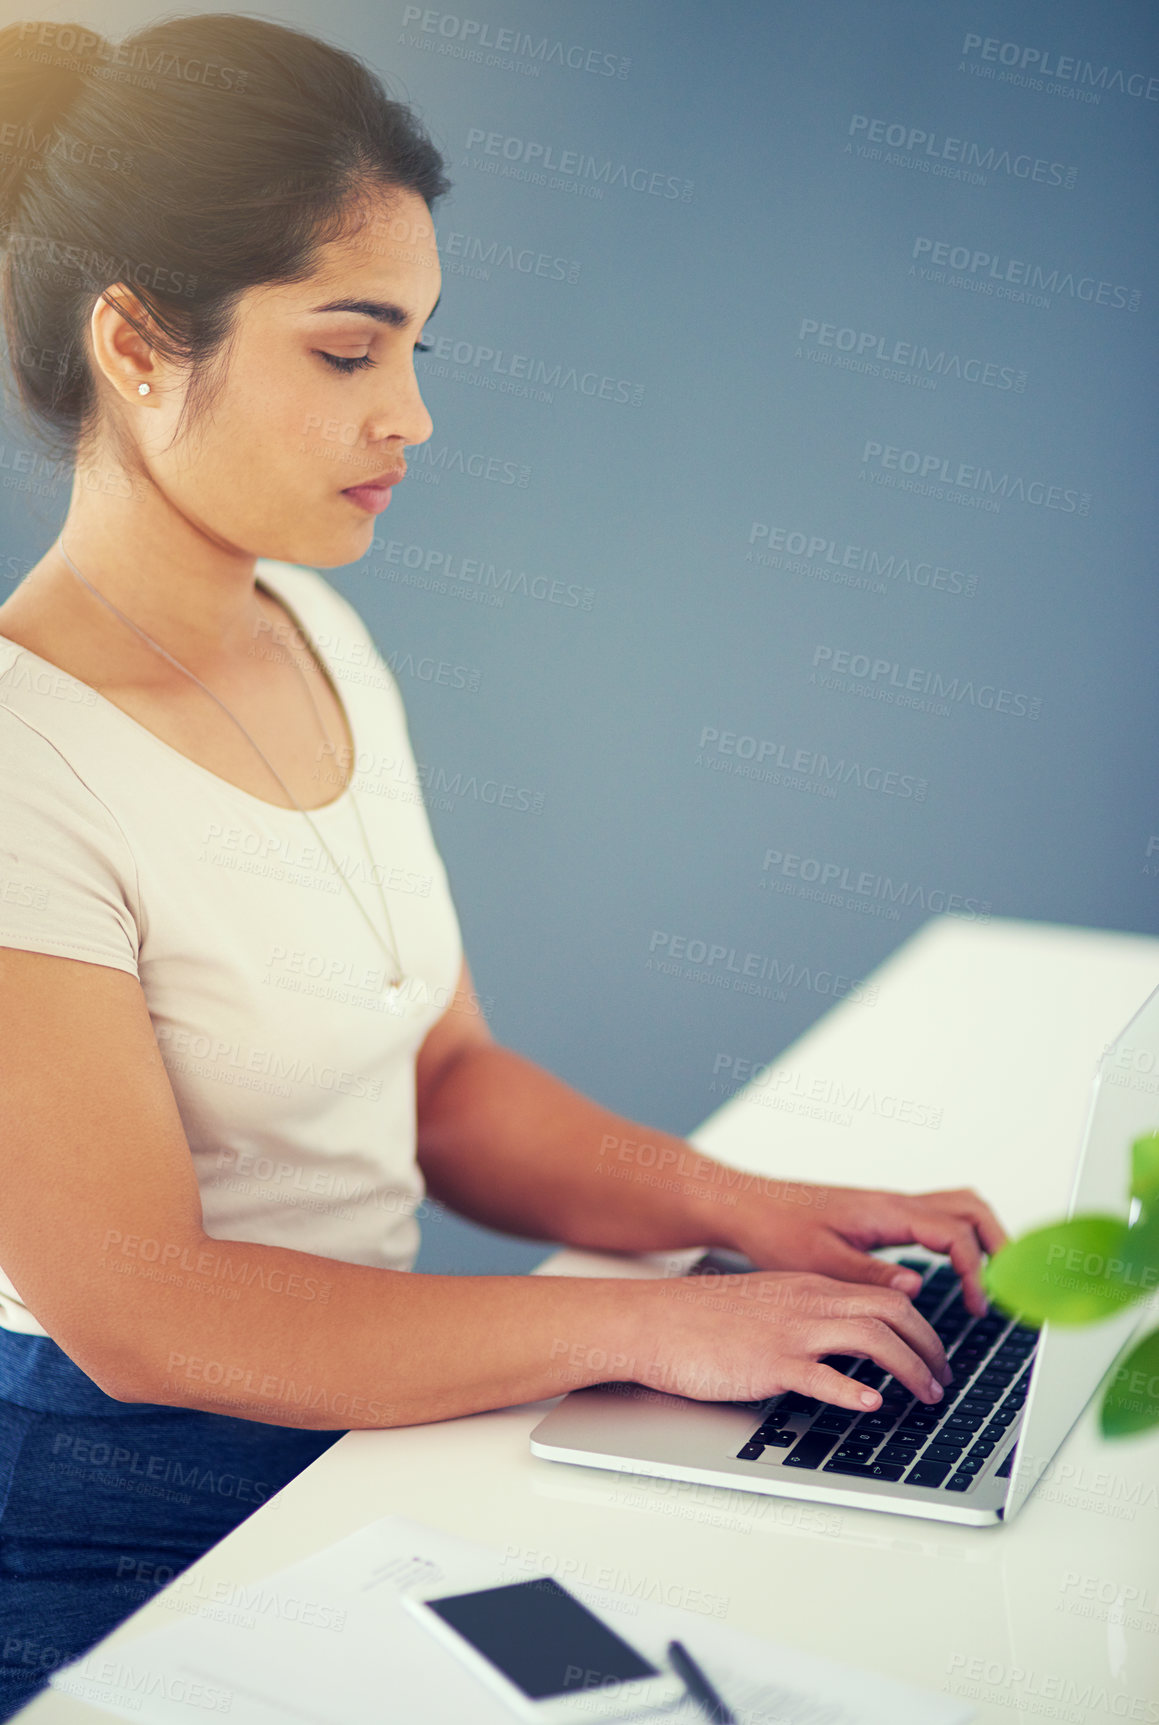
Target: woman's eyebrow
[383, 311]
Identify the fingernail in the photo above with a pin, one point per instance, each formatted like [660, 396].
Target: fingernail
[868, 1399]
[907, 1281]
[947, 1375]
[936, 1389]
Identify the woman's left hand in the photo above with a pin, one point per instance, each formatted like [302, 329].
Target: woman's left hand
[831, 1230]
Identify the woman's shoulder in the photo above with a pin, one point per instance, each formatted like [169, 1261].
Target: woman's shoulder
[68, 880]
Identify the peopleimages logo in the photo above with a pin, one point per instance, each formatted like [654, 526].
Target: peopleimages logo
[868, 346]
[115, 61]
[762, 967]
[834, 878]
[888, 675]
[475, 256]
[777, 544]
[79, 262]
[531, 160]
[1018, 274]
[424, 461]
[53, 141]
[927, 473]
[1043, 64]
[936, 153]
[468, 571]
[512, 372]
[766, 760]
[473, 33]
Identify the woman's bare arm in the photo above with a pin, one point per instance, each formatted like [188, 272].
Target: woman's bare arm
[507, 1143]
[101, 1232]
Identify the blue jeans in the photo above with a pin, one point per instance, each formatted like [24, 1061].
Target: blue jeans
[103, 1502]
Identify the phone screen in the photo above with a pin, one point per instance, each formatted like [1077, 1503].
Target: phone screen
[542, 1638]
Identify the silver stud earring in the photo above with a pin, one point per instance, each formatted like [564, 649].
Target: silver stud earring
[143, 389]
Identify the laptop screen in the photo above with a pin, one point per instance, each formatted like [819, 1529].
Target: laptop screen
[1072, 1360]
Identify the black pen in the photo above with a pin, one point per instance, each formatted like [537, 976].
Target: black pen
[698, 1685]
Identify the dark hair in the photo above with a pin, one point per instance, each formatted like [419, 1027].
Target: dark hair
[199, 157]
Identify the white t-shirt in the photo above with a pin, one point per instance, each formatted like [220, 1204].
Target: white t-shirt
[294, 1080]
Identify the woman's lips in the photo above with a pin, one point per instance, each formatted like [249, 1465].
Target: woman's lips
[372, 497]
[374, 494]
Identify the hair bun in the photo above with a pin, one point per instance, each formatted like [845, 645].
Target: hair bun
[43, 69]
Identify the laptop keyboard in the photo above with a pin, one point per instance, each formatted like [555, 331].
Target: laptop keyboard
[944, 1444]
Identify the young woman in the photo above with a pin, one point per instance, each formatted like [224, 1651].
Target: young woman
[241, 1037]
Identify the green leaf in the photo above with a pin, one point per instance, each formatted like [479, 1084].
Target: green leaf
[1070, 1272]
[1145, 1169]
[1131, 1403]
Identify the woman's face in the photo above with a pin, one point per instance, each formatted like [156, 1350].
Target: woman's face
[316, 400]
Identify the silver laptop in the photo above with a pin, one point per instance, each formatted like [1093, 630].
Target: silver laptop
[973, 1457]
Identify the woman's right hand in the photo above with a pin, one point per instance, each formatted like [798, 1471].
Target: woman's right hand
[748, 1337]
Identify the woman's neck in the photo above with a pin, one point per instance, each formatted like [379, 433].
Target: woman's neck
[195, 598]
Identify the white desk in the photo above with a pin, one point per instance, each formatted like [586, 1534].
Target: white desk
[999, 1026]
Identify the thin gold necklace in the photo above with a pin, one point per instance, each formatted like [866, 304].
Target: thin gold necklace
[396, 1000]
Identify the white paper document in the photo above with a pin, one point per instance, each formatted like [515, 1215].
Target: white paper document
[328, 1642]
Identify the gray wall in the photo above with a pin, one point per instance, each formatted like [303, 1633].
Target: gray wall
[842, 578]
